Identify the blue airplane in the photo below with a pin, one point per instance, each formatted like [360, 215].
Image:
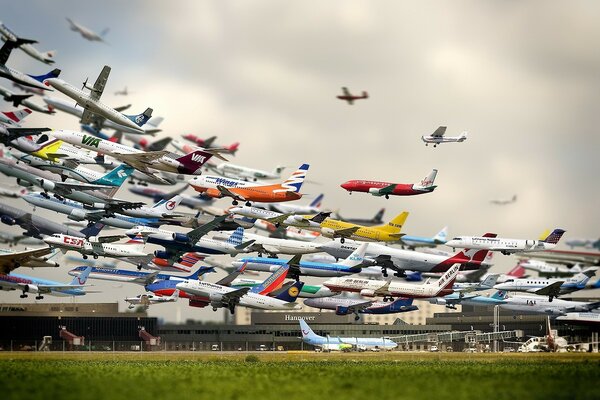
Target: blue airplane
[327, 343]
[348, 305]
[419, 241]
[142, 278]
[30, 284]
[451, 300]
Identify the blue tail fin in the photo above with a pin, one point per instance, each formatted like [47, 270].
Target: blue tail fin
[52, 74]
[236, 237]
[92, 230]
[292, 293]
[295, 181]
[201, 271]
[317, 201]
[306, 331]
[554, 237]
[117, 176]
[82, 278]
[142, 118]
[499, 295]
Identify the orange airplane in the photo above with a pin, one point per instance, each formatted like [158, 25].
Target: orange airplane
[218, 187]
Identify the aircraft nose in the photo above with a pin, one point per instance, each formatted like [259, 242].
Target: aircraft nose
[346, 185]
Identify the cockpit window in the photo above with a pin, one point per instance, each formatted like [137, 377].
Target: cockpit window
[42, 139]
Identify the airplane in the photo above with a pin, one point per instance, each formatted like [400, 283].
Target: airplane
[587, 243]
[306, 292]
[413, 242]
[187, 148]
[401, 260]
[376, 220]
[33, 258]
[147, 299]
[244, 191]
[93, 106]
[278, 219]
[29, 284]
[99, 122]
[123, 92]
[458, 298]
[327, 343]
[387, 189]
[45, 57]
[467, 287]
[351, 265]
[103, 246]
[347, 96]
[503, 202]
[544, 268]
[38, 82]
[245, 173]
[391, 288]
[274, 246]
[550, 287]
[188, 164]
[389, 232]
[551, 342]
[86, 33]
[566, 257]
[23, 99]
[438, 137]
[292, 208]
[209, 143]
[13, 239]
[346, 305]
[542, 305]
[285, 232]
[36, 226]
[12, 119]
[193, 202]
[507, 246]
[140, 278]
[217, 296]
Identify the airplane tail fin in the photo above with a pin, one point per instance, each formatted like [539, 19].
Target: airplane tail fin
[138, 242]
[233, 148]
[442, 236]
[104, 32]
[427, 182]
[378, 218]
[583, 277]
[159, 145]
[448, 278]
[92, 230]
[52, 74]
[168, 206]
[554, 237]
[317, 201]
[273, 282]
[195, 159]
[517, 272]
[82, 278]
[291, 294]
[142, 118]
[499, 295]
[117, 176]
[305, 329]
[17, 115]
[490, 281]
[357, 256]
[236, 237]
[295, 181]
[200, 272]
[365, 95]
[395, 225]
[175, 295]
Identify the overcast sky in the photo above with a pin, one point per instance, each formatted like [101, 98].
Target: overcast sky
[521, 77]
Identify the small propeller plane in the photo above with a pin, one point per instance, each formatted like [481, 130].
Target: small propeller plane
[349, 97]
[438, 137]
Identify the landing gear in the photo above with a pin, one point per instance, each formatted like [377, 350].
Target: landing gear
[214, 308]
[85, 257]
[235, 202]
[435, 145]
[23, 296]
[45, 195]
[39, 297]
[59, 198]
[232, 309]
[384, 272]
[95, 256]
[356, 317]
[387, 196]
[387, 298]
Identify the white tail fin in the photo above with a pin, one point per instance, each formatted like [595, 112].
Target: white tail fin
[447, 280]
[357, 256]
[427, 182]
[441, 236]
[138, 243]
[168, 206]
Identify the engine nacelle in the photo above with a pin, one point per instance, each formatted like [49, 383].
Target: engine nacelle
[29, 288]
[100, 206]
[298, 218]
[367, 293]
[341, 310]
[8, 220]
[77, 215]
[373, 191]
[328, 232]
[24, 183]
[216, 298]
[439, 301]
[162, 254]
[181, 237]
[47, 185]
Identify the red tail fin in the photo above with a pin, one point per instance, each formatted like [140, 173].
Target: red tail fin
[518, 271]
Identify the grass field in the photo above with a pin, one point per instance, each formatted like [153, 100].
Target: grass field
[307, 376]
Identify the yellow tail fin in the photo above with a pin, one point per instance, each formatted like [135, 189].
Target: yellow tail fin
[395, 225]
[544, 234]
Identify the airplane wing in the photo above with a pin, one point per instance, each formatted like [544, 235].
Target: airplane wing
[208, 142]
[232, 298]
[25, 221]
[346, 91]
[552, 290]
[110, 239]
[140, 161]
[439, 132]
[385, 288]
[385, 190]
[49, 288]
[98, 88]
[230, 278]
[279, 219]
[146, 280]
[197, 233]
[347, 232]
[122, 108]
[67, 188]
[15, 133]
[242, 246]
[89, 118]
[10, 261]
[360, 306]
[226, 192]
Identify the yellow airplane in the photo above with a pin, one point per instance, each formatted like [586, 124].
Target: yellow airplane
[389, 232]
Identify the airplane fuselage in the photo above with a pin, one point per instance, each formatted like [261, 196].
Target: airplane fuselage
[21, 78]
[374, 187]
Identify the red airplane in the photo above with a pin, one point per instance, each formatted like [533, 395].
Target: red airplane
[209, 143]
[350, 98]
[386, 189]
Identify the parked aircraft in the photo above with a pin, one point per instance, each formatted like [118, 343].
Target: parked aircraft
[413, 242]
[376, 220]
[551, 342]
[350, 98]
[32, 258]
[23, 99]
[243, 191]
[327, 343]
[98, 246]
[507, 246]
[503, 202]
[87, 33]
[93, 106]
[38, 82]
[29, 284]
[244, 173]
[147, 299]
[387, 189]
[438, 137]
[347, 305]
[45, 56]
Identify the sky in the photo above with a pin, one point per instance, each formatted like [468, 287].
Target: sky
[521, 77]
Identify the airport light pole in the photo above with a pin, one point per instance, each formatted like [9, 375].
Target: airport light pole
[496, 325]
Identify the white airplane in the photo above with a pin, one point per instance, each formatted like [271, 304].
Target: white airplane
[87, 33]
[467, 287]
[503, 202]
[390, 288]
[543, 267]
[549, 343]
[45, 57]
[205, 293]
[163, 209]
[245, 173]
[149, 128]
[98, 246]
[278, 219]
[189, 164]
[147, 299]
[542, 305]
[123, 92]
[286, 233]
[12, 118]
[275, 246]
[327, 343]
[23, 99]
[39, 82]
[506, 246]
[93, 106]
[548, 287]
[587, 243]
[33, 258]
[438, 137]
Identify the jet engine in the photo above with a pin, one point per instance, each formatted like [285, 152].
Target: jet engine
[367, 293]
[29, 288]
[181, 237]
[7, 220]
[77, 215]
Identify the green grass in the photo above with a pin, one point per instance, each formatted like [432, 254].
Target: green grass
[304, 376]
